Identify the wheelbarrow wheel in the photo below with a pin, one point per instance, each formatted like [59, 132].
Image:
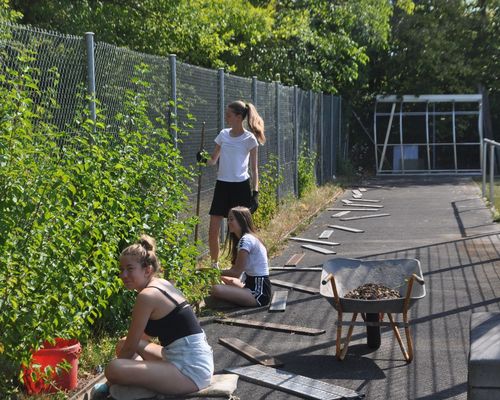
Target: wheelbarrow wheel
[373, 332]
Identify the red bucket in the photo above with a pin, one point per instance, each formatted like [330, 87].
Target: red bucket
[52, 355]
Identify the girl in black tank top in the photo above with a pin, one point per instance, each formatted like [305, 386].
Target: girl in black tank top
[159, 311]
[178, 323]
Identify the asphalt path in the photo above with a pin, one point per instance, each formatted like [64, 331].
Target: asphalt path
[441, 221]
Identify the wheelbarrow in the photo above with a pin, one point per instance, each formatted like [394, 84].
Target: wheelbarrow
[341, 275]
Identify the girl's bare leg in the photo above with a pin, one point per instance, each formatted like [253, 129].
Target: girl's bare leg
[234, 294]
[160, 376]
[229, 280]
[213, 236]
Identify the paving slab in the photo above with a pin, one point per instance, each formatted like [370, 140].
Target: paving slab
[443, 222]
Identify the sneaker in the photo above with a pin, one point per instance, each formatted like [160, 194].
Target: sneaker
[100, 391]
[123, 392]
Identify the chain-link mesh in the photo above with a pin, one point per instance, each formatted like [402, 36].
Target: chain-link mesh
[115, 69]
[304, 118]
[197, 91]
[266, 105]
[336, 133]
[293, 118]
[287, 141]
[315, 135]
[57, 58]
[237, 88]
[326, 142]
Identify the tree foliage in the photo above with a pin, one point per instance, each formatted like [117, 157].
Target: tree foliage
[439, 47]
[208, 33]
[336, 46]
[443, 47]
[320, 44]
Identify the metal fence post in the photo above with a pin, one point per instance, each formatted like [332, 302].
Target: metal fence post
[222, 110]
[221, 98]
[332, 144]
[310, 120]
[277, 124]
[173, 96]
[492, 174]
[321, 141]
[483, 162]
[296, 137]
[89, 40]
[339, 147]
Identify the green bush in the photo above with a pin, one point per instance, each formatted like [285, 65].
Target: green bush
[270, 177]
[69, 202]
[306, 170]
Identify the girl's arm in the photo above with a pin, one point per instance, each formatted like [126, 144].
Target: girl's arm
[141, 312]
[254, 165]
[215, 155]
[239, 266]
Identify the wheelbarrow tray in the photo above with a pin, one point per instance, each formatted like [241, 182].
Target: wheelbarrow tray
[350, 273]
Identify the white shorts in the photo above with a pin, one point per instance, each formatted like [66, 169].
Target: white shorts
[193, 356]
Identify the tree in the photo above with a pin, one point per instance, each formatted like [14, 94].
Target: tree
[316, 44]
[321, 44]
[208, 33]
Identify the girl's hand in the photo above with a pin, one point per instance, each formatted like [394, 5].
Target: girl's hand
[254, 204]
[202, 157]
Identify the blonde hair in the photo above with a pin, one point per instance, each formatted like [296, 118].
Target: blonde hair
[254, 120]
[145, 251]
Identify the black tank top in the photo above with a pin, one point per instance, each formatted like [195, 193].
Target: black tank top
[178, 323]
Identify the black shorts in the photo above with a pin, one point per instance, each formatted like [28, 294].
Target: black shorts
[230, 194]
[260, 287]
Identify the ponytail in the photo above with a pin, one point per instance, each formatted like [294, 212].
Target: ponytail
[255, 121]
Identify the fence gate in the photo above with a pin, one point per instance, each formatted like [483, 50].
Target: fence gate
[428, 134]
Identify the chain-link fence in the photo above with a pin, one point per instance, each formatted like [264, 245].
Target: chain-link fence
[188, 95]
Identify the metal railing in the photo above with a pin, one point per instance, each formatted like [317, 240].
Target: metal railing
[492, 144]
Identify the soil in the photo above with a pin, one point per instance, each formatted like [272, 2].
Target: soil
[372, 291]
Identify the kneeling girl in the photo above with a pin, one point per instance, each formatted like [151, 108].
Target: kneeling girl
[247, 282]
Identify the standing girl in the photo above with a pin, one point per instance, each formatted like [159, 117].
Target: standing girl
[235, 148]
[249, 260]
[183, 361]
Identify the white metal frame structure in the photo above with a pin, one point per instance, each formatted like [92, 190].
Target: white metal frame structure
[421, 152]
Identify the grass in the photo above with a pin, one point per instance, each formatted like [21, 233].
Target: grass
[495, 205]
[96, 352]
[293, 216]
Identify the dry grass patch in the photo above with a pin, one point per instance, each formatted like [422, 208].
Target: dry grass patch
[295, 215]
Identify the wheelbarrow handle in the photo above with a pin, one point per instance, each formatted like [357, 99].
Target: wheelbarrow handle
[413, 277]
[418, 279]
[328, 278]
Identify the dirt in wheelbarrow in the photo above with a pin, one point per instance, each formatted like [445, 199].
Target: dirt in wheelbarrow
[372, 291]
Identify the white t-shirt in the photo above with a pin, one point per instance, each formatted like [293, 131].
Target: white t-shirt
[257, 264]
[234, 155]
